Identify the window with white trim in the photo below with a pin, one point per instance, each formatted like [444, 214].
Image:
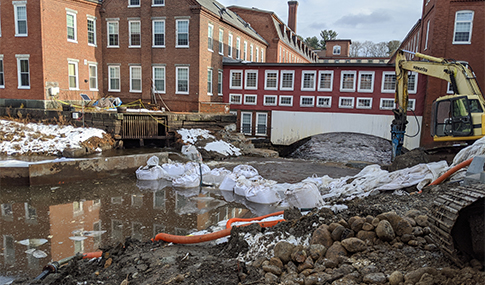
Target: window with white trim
[23, 71]
[91, 30]
[158, 28]
[73, 75]
[251, 52]
[135, 79]
[324, 101]
[133, 3]
[246, 123]
[221, 41]
[245, 51]
[182, 74]
[364, 103]
[238, 48]
[269, 100]
[250, 99]
[463, 27]
[286, 100]
[229, 45]
[113, 34]
[20, 13]
[251, 81]
[236, 79]
[411, 105]
[346, 102]
[307, 101]
[449, 89]
[235, 98]
[159, 79]
[71, 26]
[219, 82]
[366, 81]
[2, 74]
[387, 104]
[93, 77]
[257, 54]
[209, 81]
[427, 35]
[262, 55]
[336, 49]
[388, 82]
[308, 80]
[182, 33]
[114, 78]
[412, 82]
[287, 78]
[158, 3]
[347, 81]
[271, 80]
[210, 37]
[325, 80]
[135, 33]
[261, 124]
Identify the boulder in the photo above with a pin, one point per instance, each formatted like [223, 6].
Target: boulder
[354, 244]
[384, 231]
[322, 236]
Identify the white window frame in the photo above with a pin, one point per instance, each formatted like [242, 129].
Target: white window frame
[412, 105]
[262, 55]
[462, 22]
[116, 24]
[307, 97]
[229, 45]
[257, 54]
[72, 13]
[266, 80]
[154, 44]
[384, 75]
[2, 72]
[245, 51]
[21, 57]
[246, 74]
[427, 35]
[94, 77]
[220, 77]
[284, 104]
[134, 5]
[247, 96]
[250, 122]
[329, 105]
[75, 63]
[110, 88]
[359, 88]
[177, 80]
[381, 104]
[359, 99]
[265, 103]
[320, 73]
[130, 33]
[283, 72]
[251, 52]
[311, 72]
[234, 96]
[449, 90]
[93, 32]
[415, 90]
[210, 37]
[16, 5]
[342, 106]
[163, 79]
[238, 48]
[138, 67]
[209, 81]
[231, 85]
[158, 5]
[337, 49]
[221, 41]
[256, 129]
[342, 76]
[177, 33]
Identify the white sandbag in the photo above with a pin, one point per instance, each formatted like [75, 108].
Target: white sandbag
[281, 188]
[187, 181]
[215, 176]
[173, 170]
[149, 172]
[228, 183]
[242, 186]
[245, 170]
[304, 195]
[477, 148]
[314, 179]
[194, 167]
[191, 152]
[262, 194]
[152, 161]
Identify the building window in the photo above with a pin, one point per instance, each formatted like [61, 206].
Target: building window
[366, 81]
[387, 104]
[412, 82]
[159, 79]
[427, 36]
[209, 81]
[219, 83]
[251, 79]
[463, 27]
[286, 101]
[324, 101]
[73, 75]
[236, 79]
[325, 80]
[20, 8]
[158, 33]
[261, 123]
[135, 33]
[250, 99]
[307, 101]
[257, 54]
[210, 39]
[182, 33]
[114, 78]
[449, 89]
[308, 80]
[91, 31]
[269, 100]
[262, 55]
[336, 49]
[182, 80]
[364, 103]
[158, 3]
[135, 79]
[411, 104]
[113, 34]
[246, 123]
[346, 102]
[388, 82]
[2, 76]
[347, 81]
[238, 48]
[133, 3]
[93, 77]
[271, 80]
[287, 79]
[235, 98]
[71, 26]
[221, 42]
[23, 71]
[251, 48]
[229, 45]
[245, 50]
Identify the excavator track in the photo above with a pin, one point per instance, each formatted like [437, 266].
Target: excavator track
[457, 223]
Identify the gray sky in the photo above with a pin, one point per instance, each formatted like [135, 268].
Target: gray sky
[357, 20]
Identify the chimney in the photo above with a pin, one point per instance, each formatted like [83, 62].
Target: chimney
[292, 7]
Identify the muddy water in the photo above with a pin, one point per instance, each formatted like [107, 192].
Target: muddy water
[81, 217]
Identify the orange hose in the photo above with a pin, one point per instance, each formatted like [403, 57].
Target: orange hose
[450, 172]
[230, 221]
[89, 255]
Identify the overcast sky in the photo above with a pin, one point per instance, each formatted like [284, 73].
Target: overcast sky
[357, 20]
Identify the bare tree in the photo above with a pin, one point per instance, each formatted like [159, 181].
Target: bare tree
[355, 49]
[392, 46]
